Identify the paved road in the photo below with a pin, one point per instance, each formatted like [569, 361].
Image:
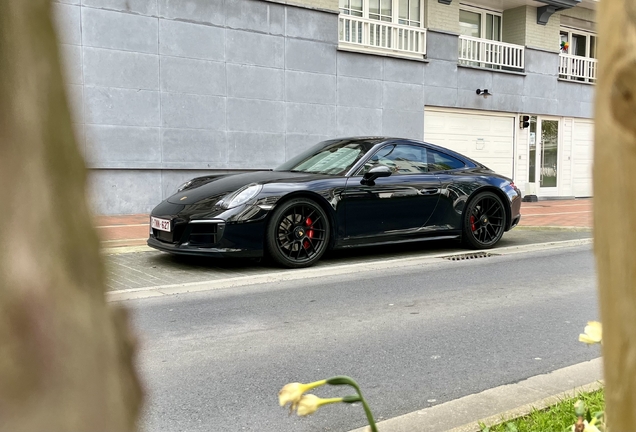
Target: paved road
[413, 337]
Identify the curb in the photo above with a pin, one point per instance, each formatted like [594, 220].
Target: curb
[126, 249]
[501, 403]
[526, 409]
[319, 271]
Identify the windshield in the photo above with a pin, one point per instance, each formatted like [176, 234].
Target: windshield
[334, 157]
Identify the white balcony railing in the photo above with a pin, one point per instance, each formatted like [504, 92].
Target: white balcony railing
[375, 35]
[577, 68]
[492, 54]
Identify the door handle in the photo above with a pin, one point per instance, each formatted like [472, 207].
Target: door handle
[429, 191]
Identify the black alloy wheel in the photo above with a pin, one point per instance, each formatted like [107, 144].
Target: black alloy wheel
[484, 221]
[297, 233]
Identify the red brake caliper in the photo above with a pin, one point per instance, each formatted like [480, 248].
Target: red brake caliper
[472, 222]
[310, 234]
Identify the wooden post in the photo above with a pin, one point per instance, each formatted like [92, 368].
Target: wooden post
[615, 206]
[66, 357]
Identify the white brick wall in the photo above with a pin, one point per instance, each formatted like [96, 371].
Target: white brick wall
[545, 37]
[442, 17]
[514, 25]
[580, 13]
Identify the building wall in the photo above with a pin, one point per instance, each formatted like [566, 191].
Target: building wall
[580, 13]
[514, 25]
[565, 157]
[545, 37]
[165, 92]
[442, 17]
[329, 5]
[520, 26]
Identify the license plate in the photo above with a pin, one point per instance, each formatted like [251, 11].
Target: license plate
[160, 224]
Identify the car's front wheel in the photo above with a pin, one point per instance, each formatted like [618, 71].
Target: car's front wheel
[484, 221]
[297, 233]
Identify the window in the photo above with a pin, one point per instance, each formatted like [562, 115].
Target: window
[378, 26]
[381, 10]
[475, 23]
[412, 159]
[351, 7]
[479, 23]
[581, 43]
[401, 158]
[334, 157]
[578, 55]
[405, 12]
[532, 155]
[409, 13]
[438, 161]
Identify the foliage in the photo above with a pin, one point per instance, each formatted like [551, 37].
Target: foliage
[305, 404]
[557, 418]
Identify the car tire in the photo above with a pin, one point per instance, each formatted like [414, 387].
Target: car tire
[484, 221]
[297, 233]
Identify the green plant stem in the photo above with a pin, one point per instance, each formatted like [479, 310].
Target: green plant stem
[367, 411]
[344, 380]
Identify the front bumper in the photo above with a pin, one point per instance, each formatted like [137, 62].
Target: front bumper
[195, 230]
[210, 238]
[217, 252]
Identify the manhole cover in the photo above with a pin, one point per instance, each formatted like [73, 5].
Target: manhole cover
[469, 256]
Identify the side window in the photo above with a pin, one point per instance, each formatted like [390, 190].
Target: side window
[401, 158]
[438, 161]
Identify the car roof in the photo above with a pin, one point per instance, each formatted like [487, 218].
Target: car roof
[387, 140]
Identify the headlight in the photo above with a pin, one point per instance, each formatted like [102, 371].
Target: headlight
[240, 197]
[185, 185]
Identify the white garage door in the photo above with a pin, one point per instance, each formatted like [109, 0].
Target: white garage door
[583, 153]
[484, 137]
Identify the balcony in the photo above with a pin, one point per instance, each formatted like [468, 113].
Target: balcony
[491, 54]
[577, 68]
[361, 34]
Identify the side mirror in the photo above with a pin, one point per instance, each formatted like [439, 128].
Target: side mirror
[375, 172]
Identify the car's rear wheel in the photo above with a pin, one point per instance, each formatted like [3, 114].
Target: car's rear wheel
[484, 221]
[297, 233]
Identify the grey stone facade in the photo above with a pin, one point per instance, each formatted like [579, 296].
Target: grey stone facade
[164, 90]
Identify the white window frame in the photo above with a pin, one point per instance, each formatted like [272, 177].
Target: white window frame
[588, 40]
[483, 13]
[371, 35]
[395, 18]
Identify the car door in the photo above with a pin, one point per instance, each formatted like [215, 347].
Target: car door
[401, 203]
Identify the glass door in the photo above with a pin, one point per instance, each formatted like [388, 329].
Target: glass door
[543, 155]
[547, 156]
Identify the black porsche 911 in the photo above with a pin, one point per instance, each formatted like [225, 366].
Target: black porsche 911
[341, 193]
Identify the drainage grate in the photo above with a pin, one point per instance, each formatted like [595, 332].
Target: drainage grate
[468, 256]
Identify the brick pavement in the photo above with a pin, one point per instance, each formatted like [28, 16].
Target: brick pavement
[557, 213]
[132, 230]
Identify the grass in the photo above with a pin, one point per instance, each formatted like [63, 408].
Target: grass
[557, 418]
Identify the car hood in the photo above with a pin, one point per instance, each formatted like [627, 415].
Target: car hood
[222, 185]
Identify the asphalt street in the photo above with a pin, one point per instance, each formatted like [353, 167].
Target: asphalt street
[412, 337]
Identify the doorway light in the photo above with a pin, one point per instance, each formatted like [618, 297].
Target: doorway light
[485, 93]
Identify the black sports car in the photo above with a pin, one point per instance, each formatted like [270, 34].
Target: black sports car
[341, 193]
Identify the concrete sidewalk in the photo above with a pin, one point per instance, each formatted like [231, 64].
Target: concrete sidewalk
[133, 230]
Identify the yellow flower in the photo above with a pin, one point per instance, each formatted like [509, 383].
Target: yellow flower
[593, 333]
[589, 427]
[292, 392]
[308, 404]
